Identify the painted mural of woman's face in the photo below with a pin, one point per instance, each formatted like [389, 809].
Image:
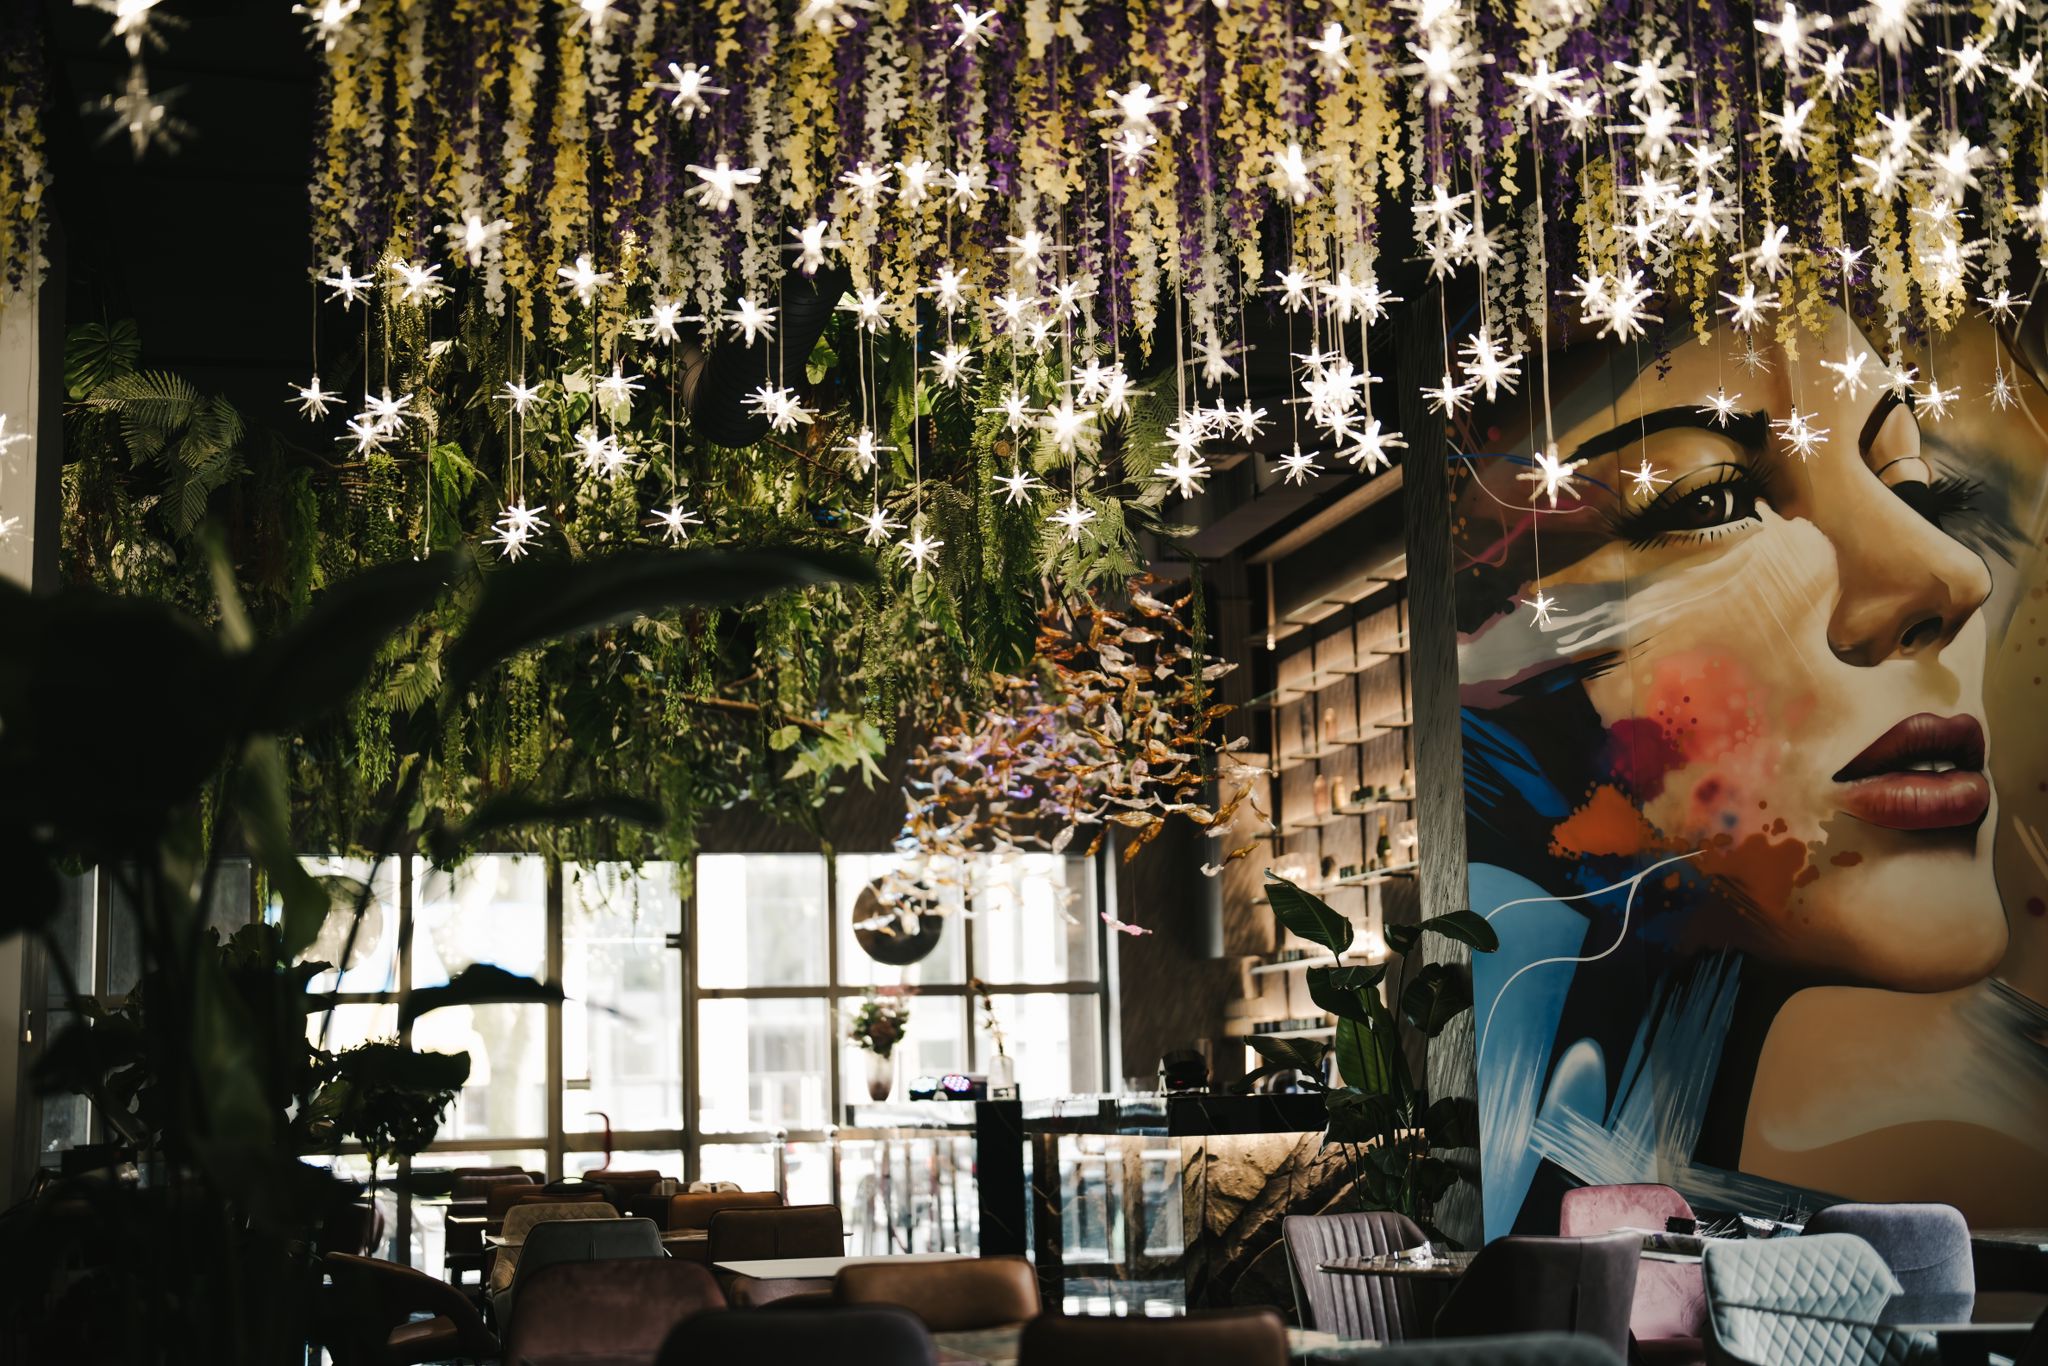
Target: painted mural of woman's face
[1797, 686]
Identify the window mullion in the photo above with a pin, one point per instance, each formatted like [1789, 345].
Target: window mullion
[553, 974]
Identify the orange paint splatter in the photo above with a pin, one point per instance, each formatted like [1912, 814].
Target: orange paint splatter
[1848, 858]
[1608, 823]
[1765, 870]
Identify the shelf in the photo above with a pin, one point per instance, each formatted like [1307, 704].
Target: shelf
[1388, 874]
[1315, 822]
[1326, 1032]
[1314, 960]
[1378, 804]
[1324, 606]
[1391, 646]
[1391, 721]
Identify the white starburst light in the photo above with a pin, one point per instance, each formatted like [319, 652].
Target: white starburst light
[325, 19]
[973, 27]
[752, 319]
[1371, 449]
[2003, 394]
[1332, 49]
[1746, 307]
[418, 282]
[1799, 433]
[616, 390]
[583, 279]
[313, 402]
[877, 525]
[516, 528]
[720, 183]
[1849, 380]
[520, 396]
[953, 366]
[1718, 406]
[1552, 476]
[1064, 426]
[1645, 478]
[473, 237]
[1297, 465]
[1072, 519]
[1934, 400]
[813, 240]
[347, 286]
[1449, 398]
[1290, 173]
[921, 550]
[687, 85]
[868, 307]
[675, 522]
[1488, 366]
[1018, 485]
[867, 183]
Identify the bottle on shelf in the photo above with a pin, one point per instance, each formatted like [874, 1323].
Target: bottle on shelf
[1322, 794]
[1385, 844]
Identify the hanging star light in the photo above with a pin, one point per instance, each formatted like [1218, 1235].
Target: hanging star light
[139, 113]
[1130, 146]
[1541, 606]
[1623, 307]
[596, 15]
[8, 526]
[1016, 410]
[583, 279]
[1542, 87]
[347, 286]
[1848, 370]
[663, 321]
[368, 437]
[1371, 450]
[313, 402]
[1072, 519]
[387, 412]
[974, 27]
[1788, 126]
[2025, 78]
[2001, 307]
[921, 550]
[1065, 425]
[721, 183]
[867, 183]
[1791, 35]
[1488, 366]
[1551, 475]
[1718, 406]
[868, 307]
[877, 525]
[751, 319]
[1290, 173]
[1752, 357]
[1955, 167]
[1900, 377]
[1768, 254]
[1799, 433]
[686, 87]
[473, 237]
[865, 449]
[2003, 394]
[520, 396]
[1332, 49]
[418, 282]
[1248, 420]
[1187, 472]
[1934, 400]
[1018, 485]
[325, 19]
[1746, 307]
[1449, 398]
[616, 390]
[813, 240]
[675, 522]
[916, 175]
[1645, 478]
[827, 16]
[952, 366]
[1135, 107]
[1297, 465]
[516, 527]
[948, 290]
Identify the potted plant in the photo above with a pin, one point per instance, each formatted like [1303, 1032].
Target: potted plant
[877, 1028]
[1392, 1133]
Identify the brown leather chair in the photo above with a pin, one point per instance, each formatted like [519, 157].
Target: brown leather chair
[502, 1198]
[695, 1210]
[625, 1182]
[1242, 1337]
[966, 1296]
[371, 1319]
[746, 1235]
[605, 1311]
[470, 1183]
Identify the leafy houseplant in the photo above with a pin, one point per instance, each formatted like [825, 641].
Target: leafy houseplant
[134, 739]
[1391, 1132]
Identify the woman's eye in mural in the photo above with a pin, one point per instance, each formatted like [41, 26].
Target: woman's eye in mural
[1940, 500]
[1891, 443]
[1700, 507]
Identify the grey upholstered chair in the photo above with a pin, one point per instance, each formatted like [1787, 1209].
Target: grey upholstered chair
[1520, 1349]
[1547, 1285]
[575, 1240]
[1804, 1302]
[1382, 1308]
[1926, 1246]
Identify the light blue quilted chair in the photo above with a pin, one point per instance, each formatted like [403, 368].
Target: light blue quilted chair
[1804, 1302]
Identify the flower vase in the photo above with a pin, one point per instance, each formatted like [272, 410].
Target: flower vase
[881, 1076]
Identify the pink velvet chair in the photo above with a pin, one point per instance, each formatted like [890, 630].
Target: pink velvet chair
[1669, 1319]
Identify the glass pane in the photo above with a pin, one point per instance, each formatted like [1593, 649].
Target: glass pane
[760, 920]
[935, 1044]
[909, 1194]
[944, 965]
[356, 1167]
[372, 964]
[430, 1215]
[66, 1120]
[667, 1161]
[507, 1045]
[750, 1166]
[762, 1065]
[233, 894]
[354, 1024]
[622, 1022]
[489, 909]
[1034, 919]
[73, 933]
[1053, 1040]
[124, 944]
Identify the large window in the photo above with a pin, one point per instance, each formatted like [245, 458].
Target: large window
[704, 1035]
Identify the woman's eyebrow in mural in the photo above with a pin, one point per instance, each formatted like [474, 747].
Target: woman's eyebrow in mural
[1874, 424]
[1748, 430]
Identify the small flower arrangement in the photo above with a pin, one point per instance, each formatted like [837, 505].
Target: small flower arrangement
[879, 1023]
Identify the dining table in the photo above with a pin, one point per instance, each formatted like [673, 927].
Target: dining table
[999, 1346]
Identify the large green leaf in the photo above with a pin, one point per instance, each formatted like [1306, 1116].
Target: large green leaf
[1308, 915]
[537, 601]
[325, 657]
[97, 352]
[1452, 1122]
[1305, 1055]
[1338, 990]
[263, 802]
[476, 985]
[1360, 1116]
[1467, 927]
[1362, 1055]
[510, 810]
[1438, 994]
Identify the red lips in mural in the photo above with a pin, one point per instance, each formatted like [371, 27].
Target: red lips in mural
[1925, 773]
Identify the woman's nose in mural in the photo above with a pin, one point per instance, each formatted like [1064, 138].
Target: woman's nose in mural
[1906, 586]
